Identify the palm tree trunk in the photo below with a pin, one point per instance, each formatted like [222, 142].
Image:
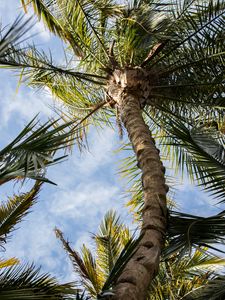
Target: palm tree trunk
[135, 279]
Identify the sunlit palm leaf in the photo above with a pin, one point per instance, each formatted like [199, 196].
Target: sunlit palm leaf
[65, 83]
[36, 64]
[180, 43]
[84, 265]
[125, 255]
[41, 8]
[81, 23]
[213, 290]
[177, 276]
[114, 247]
[4, 263]
[111, 238]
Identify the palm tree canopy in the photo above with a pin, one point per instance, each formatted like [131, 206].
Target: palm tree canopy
[180, 45]
[178, 48]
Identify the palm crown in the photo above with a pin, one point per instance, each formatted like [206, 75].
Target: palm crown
[180, 47]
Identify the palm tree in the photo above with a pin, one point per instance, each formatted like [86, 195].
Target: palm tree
[179, 277]
[159, 58]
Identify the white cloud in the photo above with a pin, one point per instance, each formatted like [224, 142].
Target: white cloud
[101, 146]
[22, 106]
[86, 240]
[35, 240]
[87, 200]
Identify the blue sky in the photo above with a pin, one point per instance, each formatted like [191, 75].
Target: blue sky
[88, 183]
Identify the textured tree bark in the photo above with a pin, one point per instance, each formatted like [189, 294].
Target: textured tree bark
[135, 279]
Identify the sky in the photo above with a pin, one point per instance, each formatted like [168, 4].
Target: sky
[88, 184]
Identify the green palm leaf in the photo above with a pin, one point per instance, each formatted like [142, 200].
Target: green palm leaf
[28, 155]
[114, 247]
[84, 265]
[201, 150]
[36, 64]
[213, 290]
[81, 23]
[26, 282]
[12, 212]
[125, 255]
[182, 43]
[178, 276]
[111, 238]
[12, 35]
[4, 263]
[186, 231]
[42, 11]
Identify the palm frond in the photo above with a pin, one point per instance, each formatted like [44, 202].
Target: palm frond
[36, 64]
[137, 29]
[79, 98]
[14, 210]
[125, 255]
[114, 247]
[84, 266]
[178, 276]
[191, 25]
[26, 282]
[81, 23]
[13, 34]
[42, 10]
[200, 149]
[5, 263]
[82, 296]
[110, 239]
[200, 262]
[190, 67]
[213, 290]
[186, 231]
[28, 155]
